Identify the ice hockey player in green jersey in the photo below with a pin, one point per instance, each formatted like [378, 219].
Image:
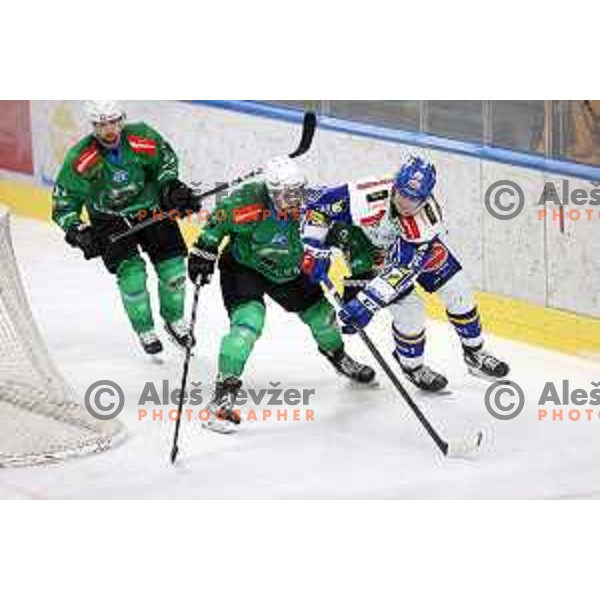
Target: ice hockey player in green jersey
[117, 172]
[263, 257]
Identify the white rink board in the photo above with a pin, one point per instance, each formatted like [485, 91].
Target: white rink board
[574, 257]
[522, 258]
[514, 261]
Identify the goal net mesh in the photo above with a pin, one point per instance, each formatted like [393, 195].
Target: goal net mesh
[40, 417]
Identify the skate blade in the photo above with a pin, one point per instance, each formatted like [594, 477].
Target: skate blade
[223, 427]
[484, 376]
[445, 391]
[430, 393]
[357, 385]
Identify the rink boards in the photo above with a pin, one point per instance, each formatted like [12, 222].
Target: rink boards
[537, 278]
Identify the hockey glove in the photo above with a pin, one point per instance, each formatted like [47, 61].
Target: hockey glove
[82, 236]
[201, 265]
[316, 263]
[176, 195]
[360, 311]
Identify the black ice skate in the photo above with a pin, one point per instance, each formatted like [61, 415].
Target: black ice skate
[224, 418]
[150, 342]
[424, 377]
[483, 364]
[180, 334]
[348, 367]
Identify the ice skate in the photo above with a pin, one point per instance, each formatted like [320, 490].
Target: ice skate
[180, 334]
[485, 365]
[423, 377]
[224, 417]
[348, 367]
[151, 343]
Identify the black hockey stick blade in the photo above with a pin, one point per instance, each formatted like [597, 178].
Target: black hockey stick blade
[309, 126]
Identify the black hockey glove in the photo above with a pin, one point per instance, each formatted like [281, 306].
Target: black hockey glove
[201, 265]
[82, 236]
[176, 195]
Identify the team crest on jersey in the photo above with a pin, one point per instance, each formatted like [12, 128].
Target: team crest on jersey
[120, 176]
[438, 258]
[279, 239]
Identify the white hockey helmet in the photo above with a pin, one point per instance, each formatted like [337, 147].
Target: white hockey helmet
[103, 111]
[285, 182]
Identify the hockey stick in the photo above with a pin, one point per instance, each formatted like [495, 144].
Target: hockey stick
[309, 126]
[452, 448]
[186, 366]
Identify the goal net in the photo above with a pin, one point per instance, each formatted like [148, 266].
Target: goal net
[40, 417]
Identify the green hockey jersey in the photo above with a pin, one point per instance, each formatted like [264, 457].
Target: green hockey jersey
[119, 182]
[259, 237]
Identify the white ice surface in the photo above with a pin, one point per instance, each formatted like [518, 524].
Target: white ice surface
[363, 443]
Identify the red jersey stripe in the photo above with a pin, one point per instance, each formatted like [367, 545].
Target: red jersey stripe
[89, 157]
[411, 229]
[369, 184]
[247, 214]
[373, 219]
[143, 145]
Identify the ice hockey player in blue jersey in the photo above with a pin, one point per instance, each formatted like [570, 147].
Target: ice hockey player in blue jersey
[401, 221]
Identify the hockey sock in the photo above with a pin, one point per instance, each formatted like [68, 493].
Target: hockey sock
[131, 279]
[320, 317]
[468, 328]
[247, 322]
[171, 288]
[409, 348]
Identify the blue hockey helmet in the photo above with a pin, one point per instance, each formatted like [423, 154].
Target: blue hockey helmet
[415, 179]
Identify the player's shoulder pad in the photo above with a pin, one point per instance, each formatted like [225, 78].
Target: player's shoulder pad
[373, 184]
[84, 156]
[253, 192]
[142, 138]
[246, 203]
